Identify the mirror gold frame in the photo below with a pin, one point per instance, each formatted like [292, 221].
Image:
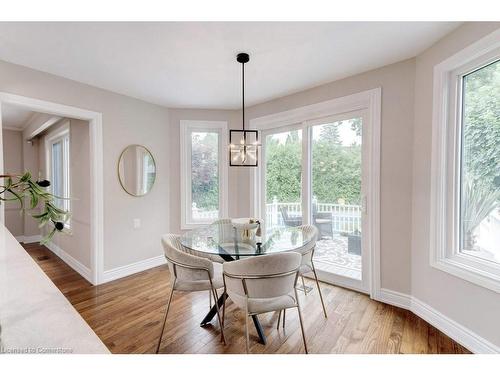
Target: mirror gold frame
[121, 178]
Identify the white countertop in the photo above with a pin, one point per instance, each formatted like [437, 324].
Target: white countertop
[35, 317]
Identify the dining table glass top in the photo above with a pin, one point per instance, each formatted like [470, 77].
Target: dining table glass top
[226, 240]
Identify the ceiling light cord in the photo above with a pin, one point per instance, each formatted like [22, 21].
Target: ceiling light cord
[243, 94]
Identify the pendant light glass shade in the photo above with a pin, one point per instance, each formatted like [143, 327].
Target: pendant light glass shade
[243, 144]
[243, 148]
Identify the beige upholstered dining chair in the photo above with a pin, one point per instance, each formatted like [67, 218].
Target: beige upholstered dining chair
[190, 273]
[307, 263]
[263, 284]
[225, 233]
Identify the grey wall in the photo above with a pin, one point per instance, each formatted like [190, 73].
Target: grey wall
[13, 164]
[397, 83]
[472, 306]
[125, 121]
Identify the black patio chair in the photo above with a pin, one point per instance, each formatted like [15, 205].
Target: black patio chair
[323, 221]
[290, 221]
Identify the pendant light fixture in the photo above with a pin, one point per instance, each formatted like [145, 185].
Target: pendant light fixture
[243, 144]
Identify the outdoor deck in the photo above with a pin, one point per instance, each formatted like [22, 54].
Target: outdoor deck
[331, 256]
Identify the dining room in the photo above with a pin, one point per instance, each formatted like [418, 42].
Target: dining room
[242, 197]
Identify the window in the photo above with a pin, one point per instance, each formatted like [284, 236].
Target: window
[465, 210]
[58, 161]
[203, 172]
[480, 164]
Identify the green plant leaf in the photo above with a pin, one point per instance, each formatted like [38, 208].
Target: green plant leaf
[45, 240]
[39, 216]
[25, 177]
[17, 197]
[34, 199]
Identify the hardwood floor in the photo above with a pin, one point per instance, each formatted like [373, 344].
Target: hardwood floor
[127, 315]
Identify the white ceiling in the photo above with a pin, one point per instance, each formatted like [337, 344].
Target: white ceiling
[15, 118]
[192, 64]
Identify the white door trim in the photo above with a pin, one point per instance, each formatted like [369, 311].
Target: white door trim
[96, 169]
[368, 101]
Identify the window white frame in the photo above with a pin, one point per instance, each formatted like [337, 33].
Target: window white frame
[366, 102]
[186, 128]
[445, 253]
[62, 135]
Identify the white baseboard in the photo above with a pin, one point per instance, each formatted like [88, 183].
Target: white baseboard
[454, 330]
[394, 298]
[142, 265]
[109, 275]
[70, 261]
[29, 239]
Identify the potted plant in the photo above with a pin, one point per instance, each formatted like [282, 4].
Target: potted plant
[23, 188]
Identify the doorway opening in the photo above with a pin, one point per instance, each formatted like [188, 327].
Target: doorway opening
[49, 137]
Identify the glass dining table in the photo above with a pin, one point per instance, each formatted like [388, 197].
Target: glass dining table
[228, 243]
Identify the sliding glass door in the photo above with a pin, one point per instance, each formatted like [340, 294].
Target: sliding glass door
[313, 173]
[283, 182]
[336, 196]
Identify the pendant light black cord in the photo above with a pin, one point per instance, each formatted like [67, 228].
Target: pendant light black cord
[243, 95]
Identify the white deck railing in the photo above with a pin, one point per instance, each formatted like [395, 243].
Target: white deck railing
[346, 218]
[201, 214]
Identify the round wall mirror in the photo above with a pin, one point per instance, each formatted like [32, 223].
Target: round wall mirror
[136, 170]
